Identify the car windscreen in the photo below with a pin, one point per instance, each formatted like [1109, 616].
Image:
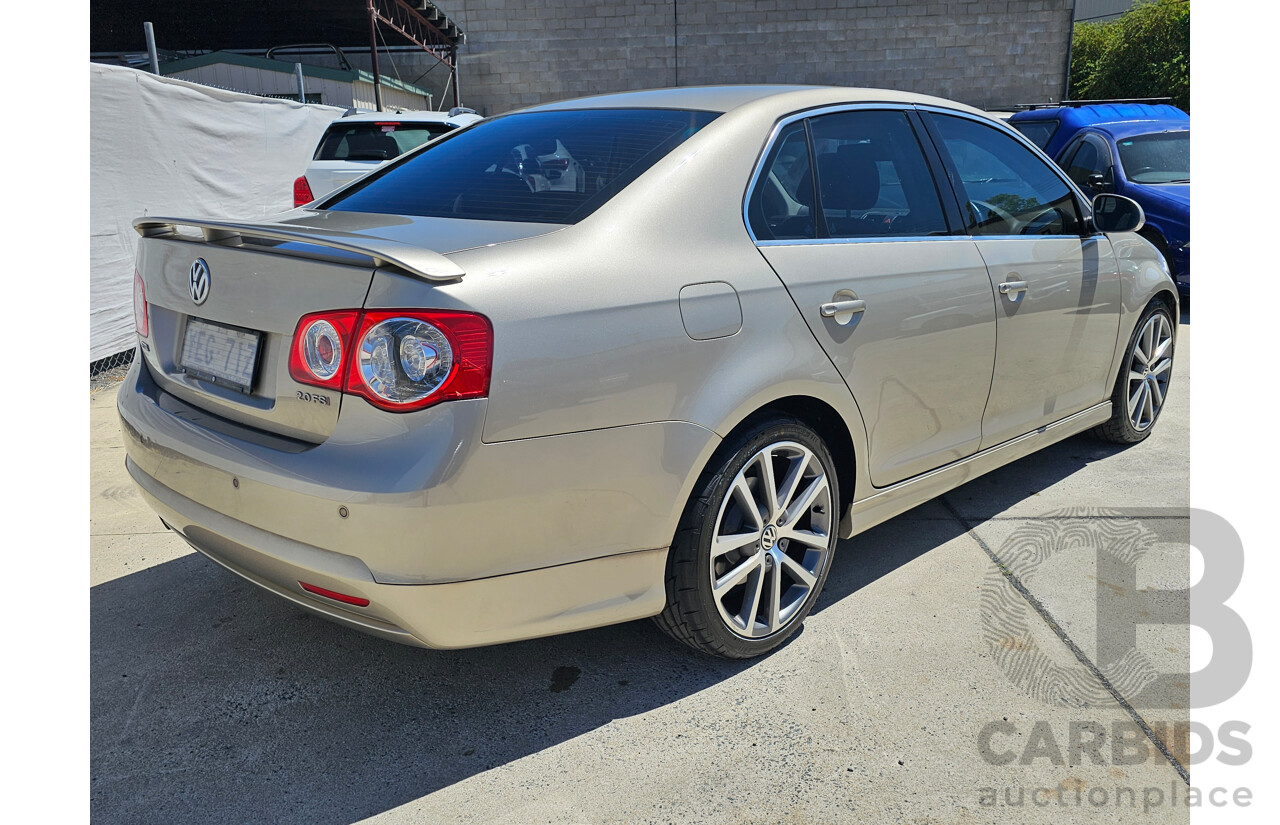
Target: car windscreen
[1162, 157]
[542, 167]
[375, 141]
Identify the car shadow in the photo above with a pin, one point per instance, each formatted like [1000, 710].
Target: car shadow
[878, 552]
[212, 701]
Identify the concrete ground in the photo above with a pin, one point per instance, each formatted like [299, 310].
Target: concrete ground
[941, 649]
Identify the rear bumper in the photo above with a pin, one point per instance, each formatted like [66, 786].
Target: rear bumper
[454, 542]
[462, 614]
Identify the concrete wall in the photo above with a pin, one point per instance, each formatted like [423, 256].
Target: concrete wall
[987, 53]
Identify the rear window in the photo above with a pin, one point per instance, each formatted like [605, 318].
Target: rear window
[376, 141]
[542, 167]
[1039, 132]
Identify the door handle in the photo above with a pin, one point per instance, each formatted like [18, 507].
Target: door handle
[836, 307]
[1013, 288]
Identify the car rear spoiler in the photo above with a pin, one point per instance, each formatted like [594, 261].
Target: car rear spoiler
[416, 261]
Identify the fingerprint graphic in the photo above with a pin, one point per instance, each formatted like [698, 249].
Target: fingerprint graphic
[1008, 619]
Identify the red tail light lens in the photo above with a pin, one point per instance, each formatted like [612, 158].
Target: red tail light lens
[409, 359]
[302, 192]
[321, 344]
[141, 314]
[399, 360]
[358, 601]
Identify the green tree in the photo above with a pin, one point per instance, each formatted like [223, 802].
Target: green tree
[1144, 53]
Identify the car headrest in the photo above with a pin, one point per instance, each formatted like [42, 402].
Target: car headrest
[850, 178]
[368, 142]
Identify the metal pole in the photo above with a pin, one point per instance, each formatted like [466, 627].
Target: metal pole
[453, 55]
[151, 47]
[373, 50]
[302, 89]
[1071, 36]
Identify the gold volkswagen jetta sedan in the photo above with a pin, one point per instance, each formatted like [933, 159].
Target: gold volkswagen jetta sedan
[452, 405]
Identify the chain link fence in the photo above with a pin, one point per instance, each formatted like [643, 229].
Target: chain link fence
[110, 370]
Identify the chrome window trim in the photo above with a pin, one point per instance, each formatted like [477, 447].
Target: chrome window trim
[873, 239]
[912, 239]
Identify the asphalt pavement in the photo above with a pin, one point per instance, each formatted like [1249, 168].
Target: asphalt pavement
[982, 658]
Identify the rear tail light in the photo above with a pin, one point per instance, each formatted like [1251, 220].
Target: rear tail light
[141, 315]
[302, 192]
[399, 360]
[410, 360]
[321, 346]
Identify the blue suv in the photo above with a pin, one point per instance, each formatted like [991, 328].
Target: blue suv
[1138, 150]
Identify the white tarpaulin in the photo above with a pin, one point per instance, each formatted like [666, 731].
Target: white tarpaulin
[160, 146]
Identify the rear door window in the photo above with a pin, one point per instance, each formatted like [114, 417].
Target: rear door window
[873, 179]
[376, 141]
[545, 167]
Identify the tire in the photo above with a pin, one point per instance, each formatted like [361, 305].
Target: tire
[784, 558]
[1143, 382]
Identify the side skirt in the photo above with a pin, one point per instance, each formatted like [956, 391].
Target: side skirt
[891, 501]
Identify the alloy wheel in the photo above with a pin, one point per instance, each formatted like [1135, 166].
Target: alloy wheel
[772, 539]
[1150, 365]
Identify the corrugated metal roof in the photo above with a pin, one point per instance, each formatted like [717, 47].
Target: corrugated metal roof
[193, 25]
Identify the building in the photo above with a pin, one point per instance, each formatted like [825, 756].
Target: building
[987, 53]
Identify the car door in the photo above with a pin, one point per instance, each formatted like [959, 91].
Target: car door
[902, 306]
[1057, 291]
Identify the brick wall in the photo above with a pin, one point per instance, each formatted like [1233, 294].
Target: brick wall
[985, 52]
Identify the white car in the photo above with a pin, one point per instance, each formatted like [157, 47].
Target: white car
[358, 143]
[546, 168]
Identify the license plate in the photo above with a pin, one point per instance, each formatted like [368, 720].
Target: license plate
[222, 355]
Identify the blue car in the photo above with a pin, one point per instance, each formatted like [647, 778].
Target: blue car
[1137, 150]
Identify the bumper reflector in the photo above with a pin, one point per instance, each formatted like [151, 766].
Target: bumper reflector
[337, 597]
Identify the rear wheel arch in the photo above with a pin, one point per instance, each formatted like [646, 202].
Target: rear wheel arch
[824, 420]
[742, 533]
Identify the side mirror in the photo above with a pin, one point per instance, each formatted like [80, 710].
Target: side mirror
[1097, 182]
[1116, 213]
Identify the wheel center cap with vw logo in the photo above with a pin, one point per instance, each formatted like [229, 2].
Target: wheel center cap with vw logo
[769, 537]
[198, 281]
